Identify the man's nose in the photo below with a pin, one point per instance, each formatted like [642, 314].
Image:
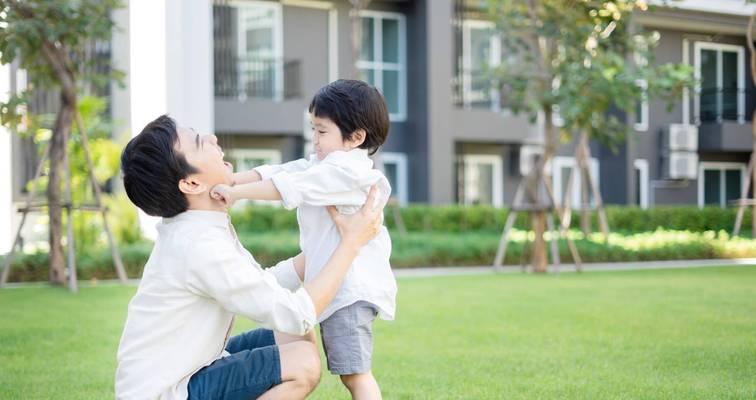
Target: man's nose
[212, 138]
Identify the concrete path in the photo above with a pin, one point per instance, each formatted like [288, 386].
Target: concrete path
[423, 272]
[587, 267]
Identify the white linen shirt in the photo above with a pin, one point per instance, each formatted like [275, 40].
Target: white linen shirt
[197, 277]
[342, 179]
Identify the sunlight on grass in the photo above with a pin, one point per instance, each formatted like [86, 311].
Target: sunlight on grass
[683, 334]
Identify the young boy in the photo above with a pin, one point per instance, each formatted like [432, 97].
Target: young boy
[349, 122]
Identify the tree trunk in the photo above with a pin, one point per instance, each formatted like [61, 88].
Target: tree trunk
[753, 176]
[58, 147]
[540, 261]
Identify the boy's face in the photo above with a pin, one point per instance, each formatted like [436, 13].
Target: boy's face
[326, 137]
[203, 153]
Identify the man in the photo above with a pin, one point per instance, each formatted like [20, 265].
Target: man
[175, 343]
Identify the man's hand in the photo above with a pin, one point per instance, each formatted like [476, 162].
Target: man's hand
[361, 227]
[224, 194]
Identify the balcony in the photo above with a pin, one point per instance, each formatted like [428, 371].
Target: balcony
[724, 120]
[258, 78]
[474, 89]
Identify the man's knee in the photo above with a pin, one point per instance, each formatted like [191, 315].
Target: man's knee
[308, 370]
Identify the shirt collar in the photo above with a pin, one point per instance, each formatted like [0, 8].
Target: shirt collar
[205, 217]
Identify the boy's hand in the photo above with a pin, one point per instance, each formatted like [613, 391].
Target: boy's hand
[224, 194]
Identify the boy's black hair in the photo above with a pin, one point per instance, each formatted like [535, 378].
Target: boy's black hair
[152, 169]
[354, 105]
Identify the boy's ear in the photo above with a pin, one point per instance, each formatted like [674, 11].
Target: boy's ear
[191, 185]
[358, 138]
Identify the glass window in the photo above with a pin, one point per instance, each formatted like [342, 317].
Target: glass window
[395, 169]
[720, 92]
[721, 184]
[382, 61]
[711, 186]
[483, 180]
[248, 50]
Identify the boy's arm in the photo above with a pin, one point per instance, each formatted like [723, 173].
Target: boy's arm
[243, 177]
[260, 190]
[266, 171]
[328, 184]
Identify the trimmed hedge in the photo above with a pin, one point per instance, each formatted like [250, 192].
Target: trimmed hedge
[437, 249]
[419, 218]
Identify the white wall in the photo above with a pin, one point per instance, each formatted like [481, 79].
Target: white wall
[6, 172]
[170, 67]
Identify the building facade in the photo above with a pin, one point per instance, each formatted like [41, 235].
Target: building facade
[247, 69]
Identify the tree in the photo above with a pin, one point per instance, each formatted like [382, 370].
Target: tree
[573, 56]
[49, 39]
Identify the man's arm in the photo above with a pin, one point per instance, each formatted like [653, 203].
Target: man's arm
[289, 273]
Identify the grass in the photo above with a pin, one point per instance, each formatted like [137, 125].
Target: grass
[666, 334]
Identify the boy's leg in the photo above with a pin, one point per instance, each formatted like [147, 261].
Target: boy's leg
[362, 386]
[348, 343]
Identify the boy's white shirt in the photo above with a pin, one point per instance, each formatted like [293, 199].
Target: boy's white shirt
[196, 279]
[342, 179]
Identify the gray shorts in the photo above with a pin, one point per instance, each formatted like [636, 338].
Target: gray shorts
[348, 338]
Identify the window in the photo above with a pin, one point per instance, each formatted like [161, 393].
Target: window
[382, 58]
[395, 168]
[247, 159]
[481, 50]
[481, 180]
[719, 183]
[720, 94]
[641, 183]
[561, 168]
[248, 46]
[641, 107]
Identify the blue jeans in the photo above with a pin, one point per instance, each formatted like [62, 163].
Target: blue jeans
[253, 367]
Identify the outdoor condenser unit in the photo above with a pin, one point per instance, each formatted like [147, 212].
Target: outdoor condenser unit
[680, 145]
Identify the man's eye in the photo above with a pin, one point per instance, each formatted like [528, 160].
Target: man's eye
[322, 132]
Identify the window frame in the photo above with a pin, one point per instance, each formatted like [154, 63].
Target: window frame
[642, 126]
[497, 177]
[379, 66]
[560, 162]
[400, 160]
[719, 47]
[278, 50]
[642, 166]
[722, 167]
[494, 60]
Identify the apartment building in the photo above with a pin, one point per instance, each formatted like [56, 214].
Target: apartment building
[247, 69]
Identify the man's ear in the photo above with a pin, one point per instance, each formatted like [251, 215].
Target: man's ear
[358, 138]
[192, 185]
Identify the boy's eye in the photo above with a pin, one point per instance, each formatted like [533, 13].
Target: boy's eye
[322, 132]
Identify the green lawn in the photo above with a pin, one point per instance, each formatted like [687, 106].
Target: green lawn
[670, 334]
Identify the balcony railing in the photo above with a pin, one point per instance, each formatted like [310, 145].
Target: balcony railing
[474, 89]
[273, 79]
[724, 104]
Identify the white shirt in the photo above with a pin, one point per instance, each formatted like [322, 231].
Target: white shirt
[342, 179]
[197, 277]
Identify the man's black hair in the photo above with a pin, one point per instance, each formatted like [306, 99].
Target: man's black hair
[354, 105]
[152, 169]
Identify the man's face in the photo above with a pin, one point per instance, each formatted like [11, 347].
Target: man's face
[203, 153]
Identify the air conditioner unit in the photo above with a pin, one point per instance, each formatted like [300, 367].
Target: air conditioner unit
[682, 165]
[682, 137]
[529, 153]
